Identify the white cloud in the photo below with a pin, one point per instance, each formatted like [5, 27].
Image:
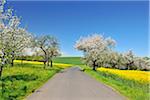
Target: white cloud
[30, 51]
[64, 54]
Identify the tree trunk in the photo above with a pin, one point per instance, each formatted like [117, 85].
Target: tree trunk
[44, 64]
[94, 68]
[45, 58]
[113, 65]
[3, 62]
[12, 62]
[45, 61]
[48, 62]
[1, 70]
[2, 86]
[129, 65]
[94, 65]
[21, 61]
[51, 63]
[12, 58]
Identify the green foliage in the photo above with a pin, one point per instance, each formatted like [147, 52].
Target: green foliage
[130, 88]
[21, 80]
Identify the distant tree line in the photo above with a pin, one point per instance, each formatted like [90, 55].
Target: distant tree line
[99, 52]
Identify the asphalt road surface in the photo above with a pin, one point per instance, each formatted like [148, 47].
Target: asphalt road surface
[73, 84]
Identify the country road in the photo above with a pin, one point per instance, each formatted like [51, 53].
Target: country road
[73, 84]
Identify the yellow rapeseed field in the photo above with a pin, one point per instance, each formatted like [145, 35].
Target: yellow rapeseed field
[36, 62]
[141, 76]
[31, 62]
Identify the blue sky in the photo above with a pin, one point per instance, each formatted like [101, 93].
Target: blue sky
[126, 22]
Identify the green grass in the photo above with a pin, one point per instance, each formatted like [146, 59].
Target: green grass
[65, 60]
[34, 76]
[133, 90]
[68, 60]
[21, 80]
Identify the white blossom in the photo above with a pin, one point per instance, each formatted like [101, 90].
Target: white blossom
[95, 48]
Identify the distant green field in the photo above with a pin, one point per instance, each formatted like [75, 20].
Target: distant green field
[68, 60]
[65, 60]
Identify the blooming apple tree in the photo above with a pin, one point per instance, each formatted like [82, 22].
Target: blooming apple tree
[13, 38]
[98, 52]
[48, 48]
[95, 47]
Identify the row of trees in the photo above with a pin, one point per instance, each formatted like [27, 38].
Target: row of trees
[14, 39]
[99, 52]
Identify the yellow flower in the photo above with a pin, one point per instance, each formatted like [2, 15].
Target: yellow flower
[31, 62]
[36, 62]
[62, 65]
[141, 76]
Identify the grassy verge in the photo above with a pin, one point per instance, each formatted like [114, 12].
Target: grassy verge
[21, 80]
[132, 89]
